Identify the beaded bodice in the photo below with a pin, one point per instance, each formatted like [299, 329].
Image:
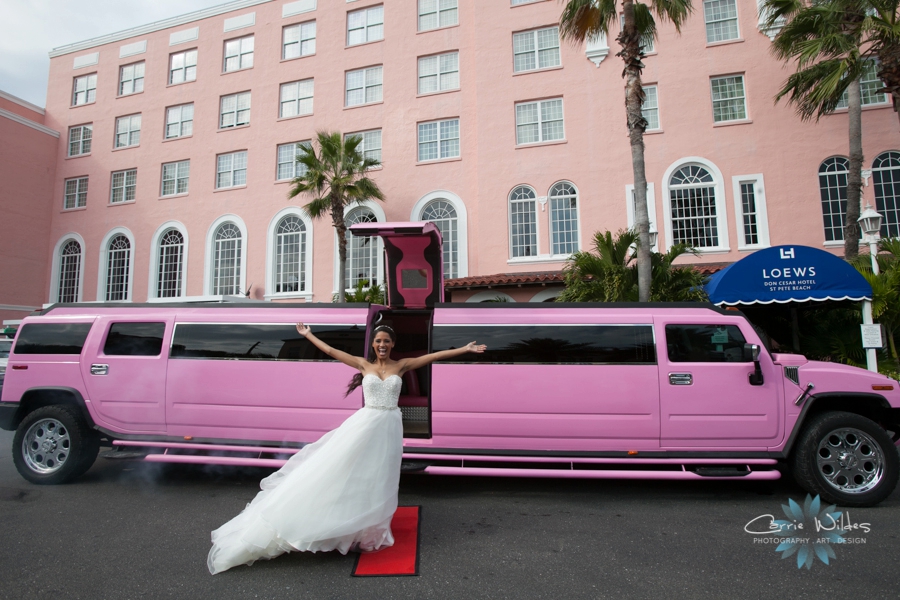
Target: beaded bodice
[381, 394]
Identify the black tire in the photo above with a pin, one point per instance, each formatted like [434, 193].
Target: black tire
[54, 444]
[846, 459]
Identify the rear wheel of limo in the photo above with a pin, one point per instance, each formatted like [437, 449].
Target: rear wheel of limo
[53, 444]
[846, 459]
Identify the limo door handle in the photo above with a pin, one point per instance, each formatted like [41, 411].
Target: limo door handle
[681, 379]
[99, 369]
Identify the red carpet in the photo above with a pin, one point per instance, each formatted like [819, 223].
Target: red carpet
[400, 559]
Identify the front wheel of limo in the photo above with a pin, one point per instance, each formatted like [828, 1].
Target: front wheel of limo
[53, 444]
[846, 459]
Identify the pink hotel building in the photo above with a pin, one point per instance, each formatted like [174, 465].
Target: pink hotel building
[160, 167]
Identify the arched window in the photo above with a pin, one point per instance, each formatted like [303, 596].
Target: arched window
[522, 222]
[563, 218]
[886, 177]
[362, 252]
[443, 215]
[226, 275]
[833, 191]
[290, 255]
[69, 272]
[692, 197]
[170, 265]
[118, 261]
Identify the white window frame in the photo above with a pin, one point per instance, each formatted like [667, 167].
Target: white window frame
[715, 30]
[535, 51]
[362, 145]
[509, 225]
[232, 170]
[187, 69]
[103, 270]
[80, 195]
[271, 251]
[177, 179]
[462, 228]
[378, 211]
[123, 189]
[645, 109]
[236, 112]
[743, 98]
[153, 281]
[181, 122]
[294, 170]
[244, 55]
[88, 92]
[651, 210]
[762, 215]
[132, 134]
[439, 12]
[82, 140]
[439, 73]
[843, 214]
[56, 264]
[132, 81]
[439, 140]
[540, 122]
[305, 42]
[299, 92]
[209, 258]
[867, 87]
[372, 25]
[365, 85]
[577, 217]
[721, 215]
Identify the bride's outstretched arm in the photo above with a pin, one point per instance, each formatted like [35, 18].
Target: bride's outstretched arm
[348, 359]
[409, 364]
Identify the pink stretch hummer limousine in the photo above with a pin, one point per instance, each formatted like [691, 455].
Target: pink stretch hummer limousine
[650, 391]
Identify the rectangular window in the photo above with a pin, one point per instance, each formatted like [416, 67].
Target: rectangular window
[52, 338]
[869, 84]
[539, 121]
[183, 66]
[298, 40]
[80, 139]
[721, 20]
[134, 339]
[231, 170]
[749, 213]
[437, 13]
[288, 167]
[179, 121]
[215, 341]
[650, 107]
[522, 222]
[128, 131]
[439, 139]
[238, 54]
[131, 79]
[296, 98]
[84, 89]
[364, 86]
[728, 99]
[76, 193]
[123, 185]
[439, 73]
[370, 147]
[365, 25]
[647, 41]
[705, 343]
[536, 49]
[175, 177]
[234, 110]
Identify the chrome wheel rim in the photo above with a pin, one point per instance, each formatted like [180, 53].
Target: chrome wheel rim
[46, 446]
[850, 461]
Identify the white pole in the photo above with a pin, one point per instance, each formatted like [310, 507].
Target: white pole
[871, 357]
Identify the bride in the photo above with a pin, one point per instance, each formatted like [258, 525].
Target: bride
[340, 492]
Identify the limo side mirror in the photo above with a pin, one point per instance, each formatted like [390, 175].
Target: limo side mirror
[751, 352]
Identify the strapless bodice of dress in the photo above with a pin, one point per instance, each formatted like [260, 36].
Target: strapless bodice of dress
[381, 394]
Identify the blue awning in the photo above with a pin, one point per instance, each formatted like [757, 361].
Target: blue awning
[787, 274]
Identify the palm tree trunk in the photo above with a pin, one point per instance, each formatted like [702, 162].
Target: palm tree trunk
[854, 178]
[634, 99]
[340, 228]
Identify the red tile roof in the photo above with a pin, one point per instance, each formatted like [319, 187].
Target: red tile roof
[538, 278]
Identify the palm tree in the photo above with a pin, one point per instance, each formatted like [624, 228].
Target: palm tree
[584, 19]
[335, 176]
[826, 40]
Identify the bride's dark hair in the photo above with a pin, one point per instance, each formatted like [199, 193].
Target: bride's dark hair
[356, 380]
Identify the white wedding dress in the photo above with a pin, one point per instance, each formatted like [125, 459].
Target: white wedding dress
[338, 493]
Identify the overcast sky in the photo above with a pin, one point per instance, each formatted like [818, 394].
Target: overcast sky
[29, 29]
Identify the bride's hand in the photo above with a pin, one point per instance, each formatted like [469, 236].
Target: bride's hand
[303, 329]
[475, 348]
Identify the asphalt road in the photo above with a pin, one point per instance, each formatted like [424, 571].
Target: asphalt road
[135, 530]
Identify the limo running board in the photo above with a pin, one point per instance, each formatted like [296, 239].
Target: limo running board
[593, 473]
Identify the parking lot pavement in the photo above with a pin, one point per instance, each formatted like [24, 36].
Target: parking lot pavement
[135, 530]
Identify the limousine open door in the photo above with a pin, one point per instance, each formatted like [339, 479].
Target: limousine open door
[414, 265]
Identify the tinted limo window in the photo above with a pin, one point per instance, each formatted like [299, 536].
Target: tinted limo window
[704, 343]
[52, 338]
[262, 341]
[134, 339]
[551, 344]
